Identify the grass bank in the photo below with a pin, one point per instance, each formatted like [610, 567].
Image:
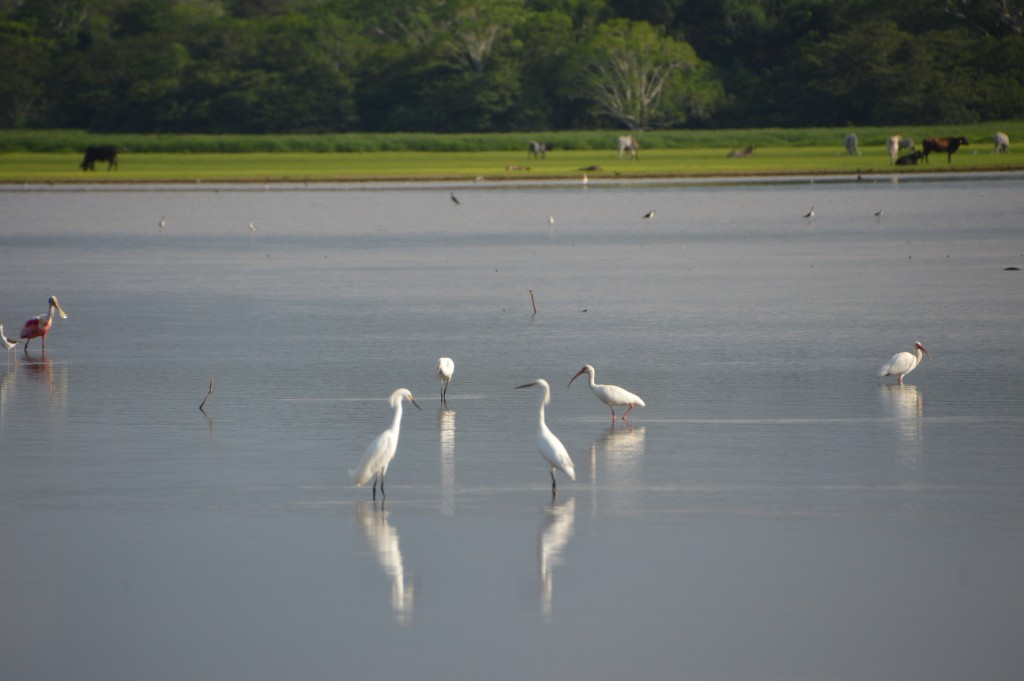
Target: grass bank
[54, 156]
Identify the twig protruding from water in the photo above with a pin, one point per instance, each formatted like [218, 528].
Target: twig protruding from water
[208, 393]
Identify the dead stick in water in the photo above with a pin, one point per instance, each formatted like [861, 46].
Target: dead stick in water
[208, 393]
[533, 302]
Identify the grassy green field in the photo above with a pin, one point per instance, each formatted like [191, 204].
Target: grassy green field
[54, 156]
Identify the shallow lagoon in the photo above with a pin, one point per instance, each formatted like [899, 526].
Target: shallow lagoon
[775, 512]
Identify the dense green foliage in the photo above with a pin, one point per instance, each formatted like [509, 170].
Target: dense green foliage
[318, 66]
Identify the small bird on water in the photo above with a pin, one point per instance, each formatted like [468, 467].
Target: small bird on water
[455, 199]
[810, 213]
[7, 343]
[649, 214]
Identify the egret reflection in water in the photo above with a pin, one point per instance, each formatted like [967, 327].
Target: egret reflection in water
[383, 540]
[446, 427]
[555, 532]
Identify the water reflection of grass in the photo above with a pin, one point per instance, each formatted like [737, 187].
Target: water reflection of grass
[18, 167]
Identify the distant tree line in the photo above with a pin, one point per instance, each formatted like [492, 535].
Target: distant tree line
[261, 66]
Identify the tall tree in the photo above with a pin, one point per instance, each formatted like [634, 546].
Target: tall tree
[639, 77]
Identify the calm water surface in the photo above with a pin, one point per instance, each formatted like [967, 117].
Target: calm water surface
[775, 512]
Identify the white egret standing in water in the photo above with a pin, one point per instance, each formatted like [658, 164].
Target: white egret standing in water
[549, 446]
[374, 463]
[445, 370]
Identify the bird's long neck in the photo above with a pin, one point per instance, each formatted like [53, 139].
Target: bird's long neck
[49, 318]
[544, 399]
[396, 421]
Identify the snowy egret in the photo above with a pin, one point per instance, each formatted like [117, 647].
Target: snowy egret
[374, 463]
[445, 369]
[40, 326]
[550, 447]
[612, 395]
[7, 343]
[902, 363]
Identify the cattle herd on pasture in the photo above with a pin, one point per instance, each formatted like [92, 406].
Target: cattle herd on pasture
[628, 146]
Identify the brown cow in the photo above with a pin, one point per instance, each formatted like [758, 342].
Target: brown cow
[946, 144]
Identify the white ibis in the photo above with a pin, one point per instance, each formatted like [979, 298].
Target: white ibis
[549, 446]
[374, 463]
[612, 395]
[902, 363]
[445, 369]
[40, 326]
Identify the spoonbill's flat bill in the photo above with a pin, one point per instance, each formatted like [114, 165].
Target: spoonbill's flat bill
[445, 370]
[902, 363]
[40, 326]
[549, 446]
[612, 395]
[381, 451]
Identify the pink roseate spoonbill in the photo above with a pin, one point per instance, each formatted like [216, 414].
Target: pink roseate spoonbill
[549, 446]
[40, 326]
[612, 395]
[445, 369]
[902, 363]
[381, 451]
[7, 343]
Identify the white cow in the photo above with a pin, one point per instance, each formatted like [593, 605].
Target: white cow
[892, 145]
[1002, 141]
[628, 144]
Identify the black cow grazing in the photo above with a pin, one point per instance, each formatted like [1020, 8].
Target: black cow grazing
[538, 149]
[946, 144]
[105, 152]
[910, 159]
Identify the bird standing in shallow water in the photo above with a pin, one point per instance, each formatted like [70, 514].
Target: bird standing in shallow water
[38, 327]
[381, 451]
[902, 363]
[549, 446]
[445, 370]
[612, 395]
[810, 213]
[649, 214]
[7, 343]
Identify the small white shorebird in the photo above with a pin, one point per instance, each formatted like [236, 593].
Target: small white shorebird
[612, 395]
[7, 343]
[445, 370]
[549, 446]
[649, 214]
[810, 213]
[374, 463]
[902, 363]
[878, 213]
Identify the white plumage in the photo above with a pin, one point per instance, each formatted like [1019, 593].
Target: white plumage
[381, 451]
[445, 370]
[549, 446]
[902, 363]
[612, 395]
